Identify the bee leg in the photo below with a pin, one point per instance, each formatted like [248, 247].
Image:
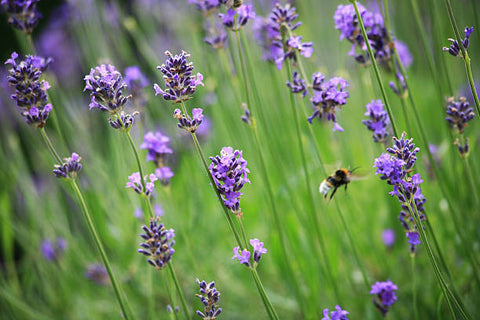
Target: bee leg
[333, 193]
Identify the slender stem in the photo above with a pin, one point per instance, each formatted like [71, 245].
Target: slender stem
[148, 204]
[414, 287]
[106, 262]
[173, 314]
[50, 146]
[375, 68]
[242, 230]
[465, 56]
[179, 290]
[137, 157]
[263, 293]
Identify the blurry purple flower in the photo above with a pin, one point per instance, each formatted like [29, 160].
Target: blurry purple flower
[243, 257]
[207, 6]
[158, 245]
[135, 79]
[138, 213]
[339, 314]
[379, 121]
[69, 168]
[179, 82]
[459, 113]
[23, 14]
[216, 34]
[209, 297]
[385, 295]
[136, 184]
[164, 174]
[403, 53]
[401, 90]
[229, 172]
[158, 210]
[30, 93]
[157, 146]
[52, 251]
[246, 114]
[388, 237]
[463, 150]
[97, 273]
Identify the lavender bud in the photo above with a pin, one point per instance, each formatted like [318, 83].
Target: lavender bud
[69, 168]
[158, 245]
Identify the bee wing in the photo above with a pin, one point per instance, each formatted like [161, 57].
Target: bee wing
[229, 4]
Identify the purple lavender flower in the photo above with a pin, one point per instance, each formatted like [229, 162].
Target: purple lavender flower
[243, 257]
[30, 93]
[164, 174]
[464, 149]
[123, 120]
[395, 168]
[339, 314]
[258, 249]
[388, 237]
[209, 297]
[207, 6]
[188, 123]
[158, 245]
[246, 114]
[400, 91]
[403, 53]
[98, 274]
[328, 97]
[459, 113]
[69, 168]
[157, 146]
[454, 48]
[298, 85]
[244, 13]
[385, 295]
[136, 81]
[135, 183]
[52, 251]
[229, 172]
[23, 14]
[216, 34]
[179, 82]
[379, 121]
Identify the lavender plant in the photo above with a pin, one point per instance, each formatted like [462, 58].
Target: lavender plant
[385, 296]
[339, 314]
[23, 14]
[209, 297]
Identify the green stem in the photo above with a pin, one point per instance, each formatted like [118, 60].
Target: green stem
[414, 287]
[137, 157]
[242, 230]
[465, 56]
[375, 68]
[50, 146]
[268, 305]
[179, 290]
[93, 231]
[173, 314]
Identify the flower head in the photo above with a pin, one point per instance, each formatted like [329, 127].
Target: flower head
[179, 82]
[30, 92]
[158, 245]
[388, 237]
[298, 85]
[454, 48]
[136, 184]
[459, 113]
[327, 98]
[229, 172]
[23, 14]
[106, 85]
[69, 168]
[157, 146]
[209, 297]
[258, 249]
[385, 295]
[52, 251]
[379, 121]
[242, 257]
[188, 123]
[164, 174]
[338, 314]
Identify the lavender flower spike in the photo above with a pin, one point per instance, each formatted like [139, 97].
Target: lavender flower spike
[158, 245]
[459, 113]
[379, 121]
[69, 168]
[454, 48]
[229, 172]
[157, 146]
[385, 295]
[179, 82]
[30, 92]
[189, 124]
[209, 297]
[339, 314]
[24, 14]
[243, 257]
[135, 183]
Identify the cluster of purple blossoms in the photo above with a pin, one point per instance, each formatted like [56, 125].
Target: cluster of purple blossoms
[459, 113]
[179, 82]
[158, 245]
[268, 33]
[229, 172]
[347, 22]
[379, 121]
[236, 18]
[454, 48]
[107, 85]
[135, 182]
[158, 148]
[52, 251]
[30, 92]
[188, 123]
[327, 98]
[244, 256]
[394, 167]
[23, 14]
[136, 81]
[385, 295]
[69, 168]
[209, 297]
[339, 314]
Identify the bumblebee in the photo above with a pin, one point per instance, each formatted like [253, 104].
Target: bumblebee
[337, 179]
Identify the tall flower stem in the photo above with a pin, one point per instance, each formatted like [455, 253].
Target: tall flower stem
[137, 157]
[179, 290]
[264, 171]
[106, 262]
[118, 292]
[375, 68]
[465, 56]
[414, 287]
[268, 305]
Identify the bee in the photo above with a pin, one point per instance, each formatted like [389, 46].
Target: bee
[337, 179]
[235, 4]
